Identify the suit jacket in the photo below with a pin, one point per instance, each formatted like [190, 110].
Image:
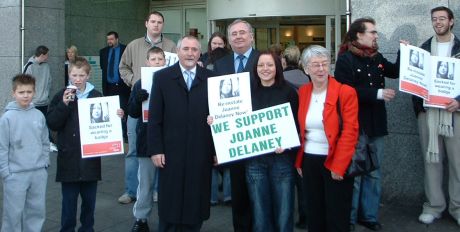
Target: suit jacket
[177, 128]
[104, 60]
[226, 65]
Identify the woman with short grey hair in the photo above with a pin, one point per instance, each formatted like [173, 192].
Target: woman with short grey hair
[328, 121]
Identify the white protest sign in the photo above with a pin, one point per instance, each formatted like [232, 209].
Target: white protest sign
[255, 133]
[147, 84]
[229, 95]
[436, 79]
[100, 127]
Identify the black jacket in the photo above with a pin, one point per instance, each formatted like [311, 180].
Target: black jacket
[64, 119]
[417, 102]
[135, 111]
[177, 128]
[367, 75]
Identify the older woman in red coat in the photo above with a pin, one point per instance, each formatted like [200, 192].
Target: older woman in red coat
[326, 147]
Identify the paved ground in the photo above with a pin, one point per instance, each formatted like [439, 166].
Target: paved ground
[114, 217]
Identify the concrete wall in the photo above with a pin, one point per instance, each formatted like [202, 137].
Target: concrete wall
[44, 25]
[88, 21]
[403, 163]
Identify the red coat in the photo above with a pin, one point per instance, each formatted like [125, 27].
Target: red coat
[341, 148]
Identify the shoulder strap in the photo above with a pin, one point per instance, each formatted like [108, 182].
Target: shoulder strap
[27, 66]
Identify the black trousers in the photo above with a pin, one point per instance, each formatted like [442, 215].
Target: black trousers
[241, 207]
[170, 227]
[328, 200]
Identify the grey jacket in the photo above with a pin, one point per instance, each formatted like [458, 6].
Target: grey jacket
[24, 143]
[41, 72]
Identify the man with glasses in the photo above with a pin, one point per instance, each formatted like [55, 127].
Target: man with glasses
[361, 66]
[242, 59]
[442, 144]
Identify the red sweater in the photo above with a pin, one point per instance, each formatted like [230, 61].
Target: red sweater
[341, 147]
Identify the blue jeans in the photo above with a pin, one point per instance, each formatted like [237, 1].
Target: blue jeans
[270, 180]
[131, 163]
[225, 183]
[367, 188]
[70, 192]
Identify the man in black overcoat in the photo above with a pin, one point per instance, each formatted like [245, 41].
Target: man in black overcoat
[180, 140]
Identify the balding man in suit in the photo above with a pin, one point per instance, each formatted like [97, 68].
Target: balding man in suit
[241, 37]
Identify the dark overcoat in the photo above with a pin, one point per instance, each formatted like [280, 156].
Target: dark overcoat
[177, 128]
[64, 119]
[367, 76]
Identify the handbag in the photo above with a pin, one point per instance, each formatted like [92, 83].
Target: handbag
[364, 160]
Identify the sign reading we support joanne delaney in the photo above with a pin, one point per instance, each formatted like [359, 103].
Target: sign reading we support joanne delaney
[100, 127]
[254, 133]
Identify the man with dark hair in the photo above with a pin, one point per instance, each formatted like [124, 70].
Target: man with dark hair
[363, 67]
[112, 84]
[38, 67]
[130, 70]
[241, 36]
[438, 145]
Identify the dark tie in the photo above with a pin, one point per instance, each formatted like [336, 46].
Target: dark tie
[240, 66]
[111, 64]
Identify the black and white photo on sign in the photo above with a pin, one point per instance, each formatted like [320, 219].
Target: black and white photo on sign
[445, 70]
[229, 87]
[99, 112]
[229, 95]
[416, 59]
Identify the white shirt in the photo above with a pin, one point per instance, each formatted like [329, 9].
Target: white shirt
[315, 137]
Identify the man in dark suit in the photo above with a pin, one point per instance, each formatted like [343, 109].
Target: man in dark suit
[180, 141]
[241, 37]
[112, 84]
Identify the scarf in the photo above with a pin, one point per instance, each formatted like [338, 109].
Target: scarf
[439, 121]
[360, 50]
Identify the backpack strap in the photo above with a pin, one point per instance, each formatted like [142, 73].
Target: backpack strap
[27, 66]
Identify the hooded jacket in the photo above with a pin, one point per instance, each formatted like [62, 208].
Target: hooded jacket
[24, 142]
[41, 72]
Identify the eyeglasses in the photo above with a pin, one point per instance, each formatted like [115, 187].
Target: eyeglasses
[316, 65]
[440, 19]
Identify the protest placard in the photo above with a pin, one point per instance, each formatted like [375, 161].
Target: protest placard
[433, 78]
[100, 127]
[254, 133]
[147, 83]
[229, 95]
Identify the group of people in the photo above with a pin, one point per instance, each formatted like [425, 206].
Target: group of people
[336, 116]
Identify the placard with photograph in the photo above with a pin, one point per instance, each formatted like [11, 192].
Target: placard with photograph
[229, 95]
[100, 127]
[433, 78]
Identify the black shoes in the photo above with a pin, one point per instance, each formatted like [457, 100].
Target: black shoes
[140, 226]
[301, 225]
[375, 226]
[352, 227]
